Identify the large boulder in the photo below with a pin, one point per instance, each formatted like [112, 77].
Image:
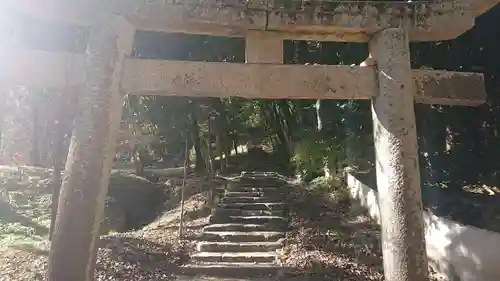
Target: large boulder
[131, 202]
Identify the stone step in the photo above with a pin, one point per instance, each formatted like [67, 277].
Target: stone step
[254, 206]
[262, 177]
[240, 236]
[256, 257]
[233, 270]
[230, 200]
[255, 188]
[241, 212]
[243, 194]
[239, 227]
[273, 194]
[268, 220]
[259, 173]
[262, 191]
[260, 181]
[206, 246]
[257, 184]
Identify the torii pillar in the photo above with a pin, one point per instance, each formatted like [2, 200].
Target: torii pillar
[397, 167]
[91, 151]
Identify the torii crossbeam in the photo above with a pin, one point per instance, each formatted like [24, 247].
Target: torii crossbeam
[106, 72]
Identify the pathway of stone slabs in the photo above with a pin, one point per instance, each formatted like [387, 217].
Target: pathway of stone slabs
[246, 229]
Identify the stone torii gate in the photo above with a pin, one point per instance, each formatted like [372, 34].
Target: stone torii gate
[106, 72]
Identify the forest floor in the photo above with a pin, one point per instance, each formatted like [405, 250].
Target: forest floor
[151, 253]
[330, 240]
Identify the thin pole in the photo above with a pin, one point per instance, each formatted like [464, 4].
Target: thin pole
[209, 144]
[186, 156]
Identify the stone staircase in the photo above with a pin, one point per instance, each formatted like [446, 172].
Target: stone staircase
[246, 228]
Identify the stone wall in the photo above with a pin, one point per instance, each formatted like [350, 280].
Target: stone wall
[458, 252]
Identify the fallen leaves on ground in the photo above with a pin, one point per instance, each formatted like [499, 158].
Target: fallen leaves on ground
[154, 252]
[151, 253]
[331, 240]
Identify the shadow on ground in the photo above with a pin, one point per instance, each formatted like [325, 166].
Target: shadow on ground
[148, 249]
[31, 249]
[130, 258]
[9, 215]
[330, 239]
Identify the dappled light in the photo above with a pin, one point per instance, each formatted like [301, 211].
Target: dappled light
[280, 140]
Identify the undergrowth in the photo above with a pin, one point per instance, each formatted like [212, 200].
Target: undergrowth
[332, 237]
[328, 241]
[152, 252]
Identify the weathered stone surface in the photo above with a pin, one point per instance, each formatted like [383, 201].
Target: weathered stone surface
[357, 22]
[231, 200]
[238, 236]
[28, 68]
[239, 212]
[448, 87]
[482, 6]
[269, 220]
[398, 175]
[255, 206]
[207, 17]
[316, 20]
[291, 81]
[246, 80]
[243, 194]
[263, 48]
[236, 227]
[256, 257]
[232, 270]
[81, 204]
[245, 238]
[238, 247]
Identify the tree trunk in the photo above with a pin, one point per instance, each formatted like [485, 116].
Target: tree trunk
[209, 147]
[183, 190]
[284, 147]
[218, 143]
[286, 120]
[235, 144]
[36, 127]
[398, 175]
[222, 132]
[200, 163]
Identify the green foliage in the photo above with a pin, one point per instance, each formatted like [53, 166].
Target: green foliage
[331, 187]
[324, 135]
[312, 154]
